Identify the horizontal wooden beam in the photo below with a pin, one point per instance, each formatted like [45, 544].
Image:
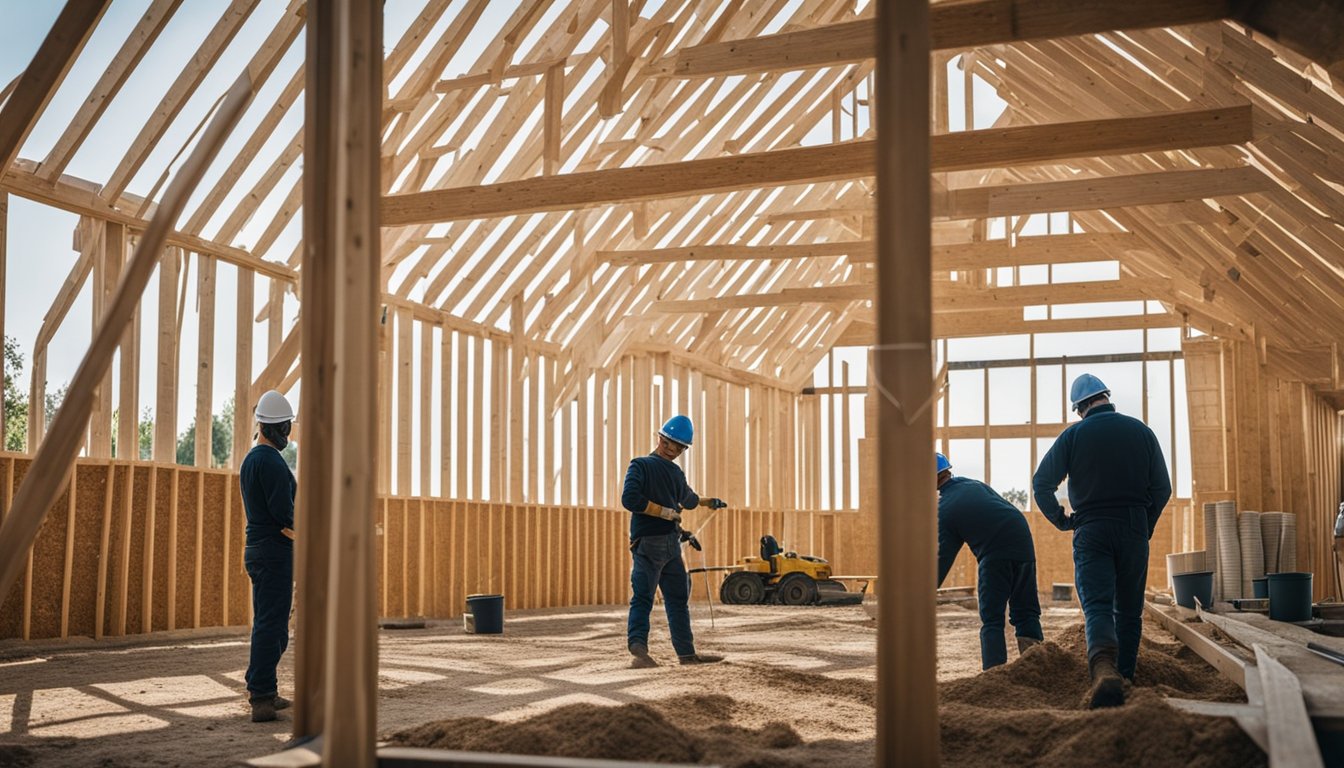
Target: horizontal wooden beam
[1106, 192]
[989, 148]
[1039, 249]
[862, 333]
[78, 196]
[952, 25]
[947, 297]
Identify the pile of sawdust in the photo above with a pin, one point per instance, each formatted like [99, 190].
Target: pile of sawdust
[684, 729]
[1028, 712]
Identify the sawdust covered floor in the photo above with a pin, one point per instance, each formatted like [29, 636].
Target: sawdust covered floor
[797, 691]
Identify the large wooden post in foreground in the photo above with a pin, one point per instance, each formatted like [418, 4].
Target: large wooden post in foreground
[316, 411]
[907, 694]
[340, 363]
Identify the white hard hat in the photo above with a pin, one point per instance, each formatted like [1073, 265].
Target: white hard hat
[273, 408]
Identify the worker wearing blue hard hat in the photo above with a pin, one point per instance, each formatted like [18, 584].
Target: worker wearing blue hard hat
[972, 513]
[655, 493]
[1118, 485]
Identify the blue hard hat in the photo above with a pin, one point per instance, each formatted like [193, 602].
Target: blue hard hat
[1086, 387]
[678, 429]
[943, 463]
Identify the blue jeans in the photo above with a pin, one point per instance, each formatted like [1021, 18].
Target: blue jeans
[1110, 561]
[272, 594]
[1007, 584]
[658, 565]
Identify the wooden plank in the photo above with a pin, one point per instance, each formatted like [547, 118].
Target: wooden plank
[1292, 743]
[552, 119]
[952, 26]
[43, 75]
[242, 378]
[58, 450]
[205, 367]
[165, 399]
[907, 721]
[988, 148]
[345, 73]
[1218, 656]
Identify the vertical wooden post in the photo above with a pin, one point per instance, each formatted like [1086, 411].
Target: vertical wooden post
[242, 376]
[128, 368]
[345, 84]
[165, 401]
[907, 695]
[205, 368]
[313, 510]
[4, 258]
[552, 126]
[106, 270]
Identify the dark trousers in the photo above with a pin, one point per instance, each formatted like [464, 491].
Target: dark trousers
[1009, 584]
[272, 595]
[658, 565]
[1110, 561]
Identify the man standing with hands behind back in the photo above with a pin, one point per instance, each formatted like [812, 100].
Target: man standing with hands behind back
[1118, 485]
[268, 489]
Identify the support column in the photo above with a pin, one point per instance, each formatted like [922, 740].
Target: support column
[342, 146]
[907, 693]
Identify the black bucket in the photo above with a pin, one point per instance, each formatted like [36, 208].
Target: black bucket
[1290, 596]
[1189, 586]
[1260, 588]
[485, 614]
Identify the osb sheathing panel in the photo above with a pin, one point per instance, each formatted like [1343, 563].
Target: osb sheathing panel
[135, 582]
[213, 550]
[380, 555]
[90, 500]
[396, 557]
[185, 597]
[48, 565]
[240, 587]
[414, 557]
[11, 608]
[163, 515]
[117, 532]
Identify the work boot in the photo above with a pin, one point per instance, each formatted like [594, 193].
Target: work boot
[700, 658]
[642, 658]
[281, 703]
[263, 709]
[1023, 643]
[1108, 687]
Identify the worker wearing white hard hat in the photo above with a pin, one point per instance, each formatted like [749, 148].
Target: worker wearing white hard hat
[1118, 485]
[268, 487]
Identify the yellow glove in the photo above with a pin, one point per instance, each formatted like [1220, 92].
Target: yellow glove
[666, 513]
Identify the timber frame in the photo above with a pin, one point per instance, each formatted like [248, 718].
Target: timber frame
[523, 237]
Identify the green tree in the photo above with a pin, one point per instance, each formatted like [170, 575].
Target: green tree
[221, 439]
[54, 400]
[16, 402]
[1018, 498]
[144, 431]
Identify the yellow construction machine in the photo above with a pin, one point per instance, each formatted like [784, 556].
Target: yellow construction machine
[785, 578]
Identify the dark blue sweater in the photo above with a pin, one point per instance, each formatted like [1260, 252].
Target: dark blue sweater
[268, 499]
[972, 513]
[1115, 468]
[653, 478]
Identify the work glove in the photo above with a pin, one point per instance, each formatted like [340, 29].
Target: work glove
[689, 538]
[666, 513]
[713, 503]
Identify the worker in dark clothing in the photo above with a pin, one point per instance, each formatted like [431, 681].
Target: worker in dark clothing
[268, 488]
[655, 493]
[972, 513]
[1118, 485]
